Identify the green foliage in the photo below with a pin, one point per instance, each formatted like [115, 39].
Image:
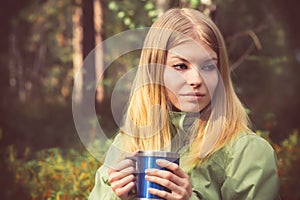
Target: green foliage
[288, 152]
[44, 32]
[50, 22]
[127, 12]
[69, 174]
[53, 173]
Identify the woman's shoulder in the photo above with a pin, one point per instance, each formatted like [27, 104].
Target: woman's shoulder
[249, 150]
[248, 141]
[244, 143]
[251, 168]
[244, 147]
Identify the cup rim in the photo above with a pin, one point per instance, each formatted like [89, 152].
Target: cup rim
[159, 154]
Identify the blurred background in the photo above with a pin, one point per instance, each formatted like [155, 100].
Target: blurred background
[43, 44]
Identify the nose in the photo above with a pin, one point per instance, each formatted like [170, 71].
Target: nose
[194, 78]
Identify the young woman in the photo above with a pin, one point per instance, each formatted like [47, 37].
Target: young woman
[183, 100]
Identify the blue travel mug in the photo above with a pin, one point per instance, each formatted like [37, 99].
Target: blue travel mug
[147, 160]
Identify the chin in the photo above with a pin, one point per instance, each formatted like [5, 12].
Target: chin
[191, 109]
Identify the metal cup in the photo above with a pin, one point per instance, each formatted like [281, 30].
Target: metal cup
[147, 160]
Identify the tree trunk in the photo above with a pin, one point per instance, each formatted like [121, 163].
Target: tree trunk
[12, 61]
[88, 27]
[39, 62]
[86, 82]
[88, 46]
[16, 67]
[99, 65]
[77, 53]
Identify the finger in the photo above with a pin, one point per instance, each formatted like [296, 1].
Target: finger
[161, 193]
[171, 166]
[167, 195]
[121, 165]
[165, 175]
[124, 190]
[117, 175]
[164, 182]
[116, 185]
[136, 152]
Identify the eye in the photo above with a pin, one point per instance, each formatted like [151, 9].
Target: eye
[208, 67]
[180, 66]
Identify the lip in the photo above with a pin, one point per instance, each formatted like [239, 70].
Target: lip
[193, 96]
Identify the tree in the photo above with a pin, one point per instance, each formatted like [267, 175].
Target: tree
[77, 50]
[91, 38]
[99, 65]
[16, 65]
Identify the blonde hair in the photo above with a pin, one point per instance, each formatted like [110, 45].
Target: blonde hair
[146, 124]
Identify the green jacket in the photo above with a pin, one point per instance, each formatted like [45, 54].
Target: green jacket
[244, 169]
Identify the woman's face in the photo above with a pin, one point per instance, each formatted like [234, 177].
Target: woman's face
[191, 75]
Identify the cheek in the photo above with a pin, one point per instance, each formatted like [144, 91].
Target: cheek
[211, 82]
[173, 81]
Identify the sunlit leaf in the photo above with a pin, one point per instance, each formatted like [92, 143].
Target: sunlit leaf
[113, 5]
[149, 6]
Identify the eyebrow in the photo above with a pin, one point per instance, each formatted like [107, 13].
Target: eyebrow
[178, 57]
[208, 58]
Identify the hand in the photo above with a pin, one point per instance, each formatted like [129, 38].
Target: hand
[122, 179]
[178, 181]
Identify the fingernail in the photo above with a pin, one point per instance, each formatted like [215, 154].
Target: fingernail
[150, 170]
[162, 161]
[150, 190]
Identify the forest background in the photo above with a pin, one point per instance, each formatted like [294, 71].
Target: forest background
[44, 42]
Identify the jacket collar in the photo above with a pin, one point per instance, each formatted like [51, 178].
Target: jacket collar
[183, 120]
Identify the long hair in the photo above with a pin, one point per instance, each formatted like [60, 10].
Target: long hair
[146, 123]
